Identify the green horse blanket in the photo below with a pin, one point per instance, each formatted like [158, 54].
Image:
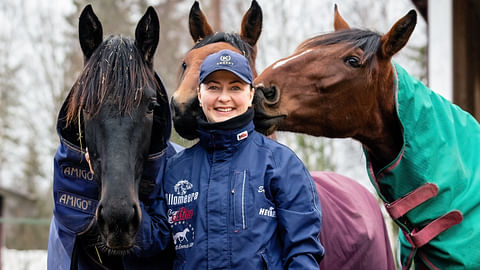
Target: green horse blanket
[432, 188]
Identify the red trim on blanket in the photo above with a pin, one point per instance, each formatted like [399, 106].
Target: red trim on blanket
[408, 263]
[427, 261]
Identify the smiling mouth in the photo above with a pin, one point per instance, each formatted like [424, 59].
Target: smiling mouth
[224, 109]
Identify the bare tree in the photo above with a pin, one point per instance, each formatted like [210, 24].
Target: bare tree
[10, 94]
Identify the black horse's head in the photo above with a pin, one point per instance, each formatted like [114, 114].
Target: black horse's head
[119, 102]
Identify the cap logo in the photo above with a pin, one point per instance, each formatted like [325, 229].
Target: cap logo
[225, 60]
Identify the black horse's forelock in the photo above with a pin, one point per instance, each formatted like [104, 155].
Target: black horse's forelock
[366, 40]
[233, 39]
[116, 71]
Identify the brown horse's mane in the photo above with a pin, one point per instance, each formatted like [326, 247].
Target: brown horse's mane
[368, 41]
[115, 72]
[233, 39]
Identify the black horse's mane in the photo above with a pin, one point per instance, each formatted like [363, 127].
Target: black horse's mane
[366, 40]
[115, 72]
[233, 39]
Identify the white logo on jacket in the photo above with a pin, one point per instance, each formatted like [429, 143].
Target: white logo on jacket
[182, 196]
[184, 238]
[181, 236]
[182, 186]
[270, 212]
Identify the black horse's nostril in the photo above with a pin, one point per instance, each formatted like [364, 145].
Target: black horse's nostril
[100, 216]
[137, 217]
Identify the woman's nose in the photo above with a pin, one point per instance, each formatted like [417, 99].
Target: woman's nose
[224, 96]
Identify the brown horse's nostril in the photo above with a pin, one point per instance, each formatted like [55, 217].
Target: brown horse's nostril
[174, 108]
[270, 94]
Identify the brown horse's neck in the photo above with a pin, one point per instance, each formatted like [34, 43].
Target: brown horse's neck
[383, 140]
[384, 148]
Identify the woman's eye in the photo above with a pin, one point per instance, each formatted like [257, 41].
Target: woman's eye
[213, 87]
[353, 61]
[236, 88]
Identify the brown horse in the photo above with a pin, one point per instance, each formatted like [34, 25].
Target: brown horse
[421, 150]
[353, 232]
[184, 102]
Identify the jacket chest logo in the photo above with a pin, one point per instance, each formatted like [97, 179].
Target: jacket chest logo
[182, 193]
[270, 212]
[181, 214]
[184, 237]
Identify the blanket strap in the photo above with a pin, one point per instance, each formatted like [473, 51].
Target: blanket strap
[421, 237]
[416, 197]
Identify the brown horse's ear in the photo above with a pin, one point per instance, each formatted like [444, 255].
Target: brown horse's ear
[338, 22]
[252, 24]
[147, 34]
[199, 27]
[397, 37]
[90, 32]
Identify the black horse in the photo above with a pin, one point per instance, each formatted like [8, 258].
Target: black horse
[118, 111]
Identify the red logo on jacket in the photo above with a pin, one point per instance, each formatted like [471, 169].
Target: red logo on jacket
[181, 214]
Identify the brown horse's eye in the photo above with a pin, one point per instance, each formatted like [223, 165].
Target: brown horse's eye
[353, 61]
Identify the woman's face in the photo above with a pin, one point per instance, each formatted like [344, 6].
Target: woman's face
[223, 95]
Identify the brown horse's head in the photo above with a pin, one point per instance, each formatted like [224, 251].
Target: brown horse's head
[184, 103]
[335, 85]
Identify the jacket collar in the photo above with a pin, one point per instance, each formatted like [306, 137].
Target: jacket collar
[227, 135]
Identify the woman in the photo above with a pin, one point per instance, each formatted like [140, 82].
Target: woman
[236, 199]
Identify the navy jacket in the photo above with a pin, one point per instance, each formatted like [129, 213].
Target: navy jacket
[238, 200]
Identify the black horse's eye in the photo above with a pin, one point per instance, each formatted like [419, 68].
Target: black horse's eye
[184, 65]
[151, 106]
[353, 61]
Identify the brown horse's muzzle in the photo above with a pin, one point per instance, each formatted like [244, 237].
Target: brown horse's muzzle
[265, 103]
[184, 117]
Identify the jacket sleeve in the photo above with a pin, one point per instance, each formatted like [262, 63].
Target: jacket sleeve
[154, 234]
[298, 212]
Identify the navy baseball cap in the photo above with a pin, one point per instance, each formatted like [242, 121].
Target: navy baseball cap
[226, 60]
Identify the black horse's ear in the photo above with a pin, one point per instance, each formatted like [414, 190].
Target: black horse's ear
[252, 24]
[198, 24]
[90, 32]
[338, 22]
[397, 37]
[147, 34]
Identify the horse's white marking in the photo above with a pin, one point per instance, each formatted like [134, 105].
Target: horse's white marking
[284, 61]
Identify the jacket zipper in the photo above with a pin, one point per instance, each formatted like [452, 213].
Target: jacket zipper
[243, 200]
